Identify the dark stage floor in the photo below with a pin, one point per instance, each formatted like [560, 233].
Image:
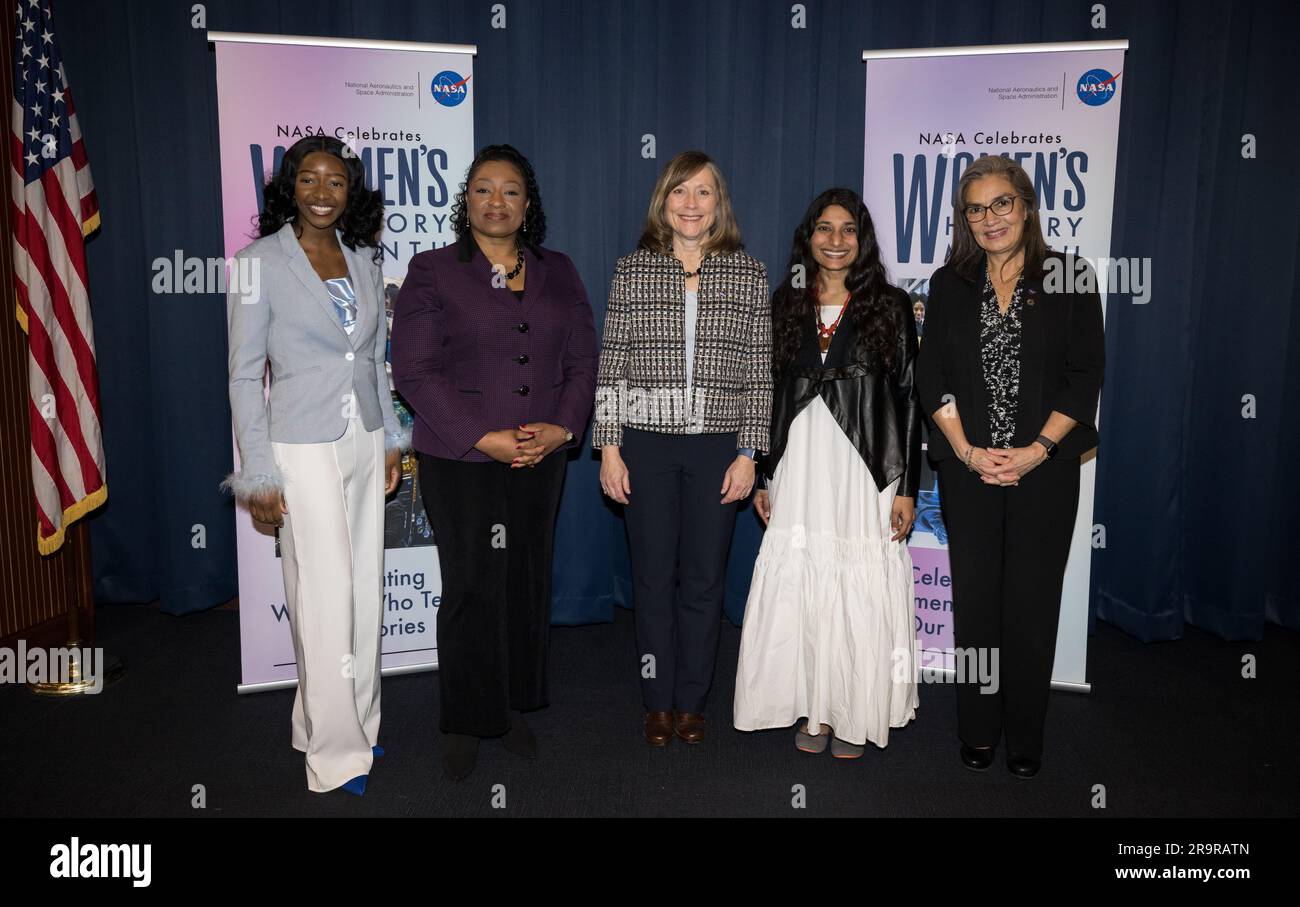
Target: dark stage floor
[1170, 729]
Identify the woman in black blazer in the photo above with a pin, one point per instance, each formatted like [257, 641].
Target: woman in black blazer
[1009, 373]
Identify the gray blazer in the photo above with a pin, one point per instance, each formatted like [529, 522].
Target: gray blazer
[320, 374]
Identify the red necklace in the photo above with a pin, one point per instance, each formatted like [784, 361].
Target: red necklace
[824, 333]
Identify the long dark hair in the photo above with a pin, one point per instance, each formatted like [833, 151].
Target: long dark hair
[362, 217]
[966, 256]
[872, 310]
[532, 232]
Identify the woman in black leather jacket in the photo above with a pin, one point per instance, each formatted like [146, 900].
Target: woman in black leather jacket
[829, 633]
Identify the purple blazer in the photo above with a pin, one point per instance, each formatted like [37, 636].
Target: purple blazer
[471, 358]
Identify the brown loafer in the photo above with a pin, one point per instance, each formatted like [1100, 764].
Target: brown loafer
[690, 726]
[658, 728]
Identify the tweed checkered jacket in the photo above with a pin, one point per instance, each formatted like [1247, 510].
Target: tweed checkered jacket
[641, 382]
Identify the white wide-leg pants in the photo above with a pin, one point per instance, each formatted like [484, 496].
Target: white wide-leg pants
[332, 554]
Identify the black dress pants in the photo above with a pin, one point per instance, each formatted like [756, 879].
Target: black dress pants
[679, 537]
[1007, 549]
[495, 531]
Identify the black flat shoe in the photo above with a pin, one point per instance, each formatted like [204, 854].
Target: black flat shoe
[519, 739]
[977, 759]
[459, 753]
[1022, 767]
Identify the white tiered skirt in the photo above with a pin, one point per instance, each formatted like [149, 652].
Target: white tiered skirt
[829, 632]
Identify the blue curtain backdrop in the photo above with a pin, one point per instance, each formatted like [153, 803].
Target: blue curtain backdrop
[1197, 501]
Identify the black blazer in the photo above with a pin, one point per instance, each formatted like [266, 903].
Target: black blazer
[1062, 356]
[878, 411]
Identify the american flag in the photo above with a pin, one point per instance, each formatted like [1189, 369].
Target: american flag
[54, 209]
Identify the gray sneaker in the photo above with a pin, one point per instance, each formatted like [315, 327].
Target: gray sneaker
[843, 750]
[808, 743]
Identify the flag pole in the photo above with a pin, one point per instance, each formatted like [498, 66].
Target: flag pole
[81, 678]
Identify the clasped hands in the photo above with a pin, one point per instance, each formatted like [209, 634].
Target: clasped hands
[524, 446]
[1005, 466]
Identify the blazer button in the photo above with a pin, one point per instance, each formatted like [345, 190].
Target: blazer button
[350, 356]
[523, 390]
[523, 327]
[522, 360]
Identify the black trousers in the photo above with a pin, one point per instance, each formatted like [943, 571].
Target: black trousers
[495, 531]
[1007, 549]
[679, 537]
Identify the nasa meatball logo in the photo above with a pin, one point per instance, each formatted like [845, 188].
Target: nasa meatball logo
[1097, 86]
[449, 88]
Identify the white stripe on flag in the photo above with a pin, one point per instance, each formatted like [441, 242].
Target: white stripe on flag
[16, 120]
[67, 174]
[47, 494]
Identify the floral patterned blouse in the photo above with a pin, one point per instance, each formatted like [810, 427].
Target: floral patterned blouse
[1000, 355]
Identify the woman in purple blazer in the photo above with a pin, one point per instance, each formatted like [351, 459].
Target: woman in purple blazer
[494, 349]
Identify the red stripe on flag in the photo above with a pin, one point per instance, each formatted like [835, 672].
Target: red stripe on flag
[69, 224]
[24, 303]
[65, 409]
[16, 153]
[62, 308]
[45, 447]
[16, 215]
[60, 301]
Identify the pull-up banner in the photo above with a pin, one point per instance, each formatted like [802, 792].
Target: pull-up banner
[407, 111]
[931, 112]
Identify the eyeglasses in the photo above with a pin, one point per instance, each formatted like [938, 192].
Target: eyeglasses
[1000, 206]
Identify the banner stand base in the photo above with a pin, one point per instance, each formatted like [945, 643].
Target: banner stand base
[270, 685]
[1064, 686]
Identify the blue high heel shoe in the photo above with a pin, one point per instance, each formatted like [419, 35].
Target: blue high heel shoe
[356, 786]
[377, 751]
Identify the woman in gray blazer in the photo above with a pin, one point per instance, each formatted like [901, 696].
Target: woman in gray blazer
[318, 456]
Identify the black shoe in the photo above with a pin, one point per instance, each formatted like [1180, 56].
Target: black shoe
[519, 739]
[459, 752]
[1022, 767]
[977, 758]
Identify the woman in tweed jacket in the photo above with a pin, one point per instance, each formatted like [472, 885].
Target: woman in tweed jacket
[683, 399]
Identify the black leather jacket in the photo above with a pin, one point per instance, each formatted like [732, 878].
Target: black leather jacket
[878, 411]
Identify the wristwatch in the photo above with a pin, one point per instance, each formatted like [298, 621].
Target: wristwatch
[1048, 444]
[747, 451]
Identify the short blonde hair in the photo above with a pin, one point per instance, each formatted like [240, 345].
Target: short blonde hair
[724, 234]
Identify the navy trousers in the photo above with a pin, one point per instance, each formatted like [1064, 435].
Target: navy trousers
[679, 538]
